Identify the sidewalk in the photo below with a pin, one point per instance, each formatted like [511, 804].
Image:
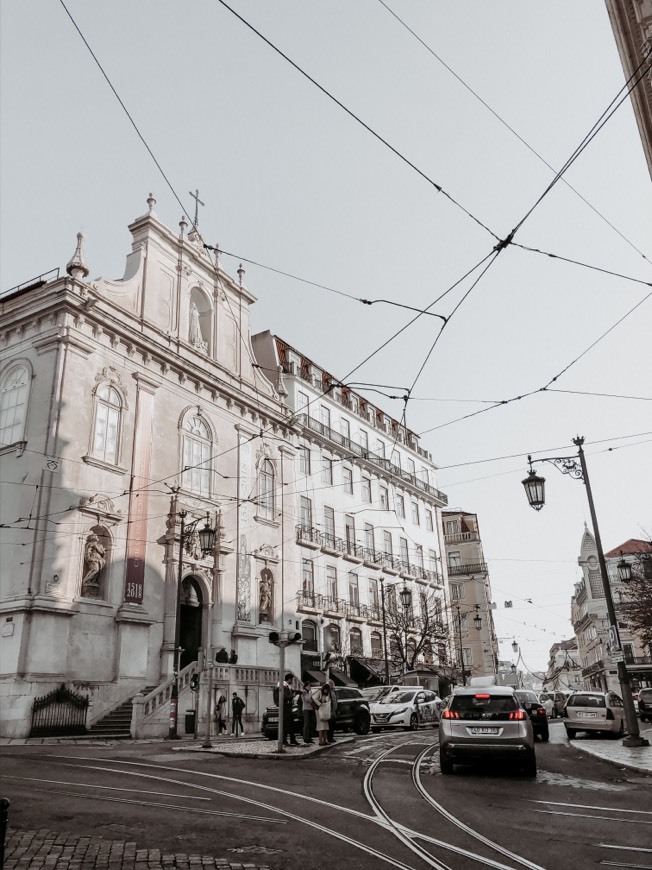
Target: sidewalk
[638, 759]
[50, 850]
[255, 746]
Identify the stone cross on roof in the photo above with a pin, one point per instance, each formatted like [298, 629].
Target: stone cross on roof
[198, 202]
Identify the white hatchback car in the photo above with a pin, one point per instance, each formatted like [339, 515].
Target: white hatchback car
[602, 712]
[409, 708]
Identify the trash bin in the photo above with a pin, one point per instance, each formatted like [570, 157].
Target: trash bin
[190, 721]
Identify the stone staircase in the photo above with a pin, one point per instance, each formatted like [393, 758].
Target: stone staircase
[116, 725]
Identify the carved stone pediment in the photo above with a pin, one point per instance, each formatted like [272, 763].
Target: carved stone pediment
[266, 553]
[102, 507]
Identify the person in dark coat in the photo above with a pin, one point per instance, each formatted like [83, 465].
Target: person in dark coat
[330, 734]
[237, 706]
[289, 738]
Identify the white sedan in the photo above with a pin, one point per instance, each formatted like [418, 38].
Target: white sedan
[409, 709]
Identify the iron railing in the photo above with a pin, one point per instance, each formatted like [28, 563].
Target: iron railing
[364, 453]
[471, 568]
[59, 712]
[313, 537]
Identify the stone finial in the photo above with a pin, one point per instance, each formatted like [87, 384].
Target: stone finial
[151, 202]
[241, 272]
[183, 225]
[281, 389]
[77, 266]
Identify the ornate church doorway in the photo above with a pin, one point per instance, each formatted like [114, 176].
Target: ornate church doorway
[190, 623]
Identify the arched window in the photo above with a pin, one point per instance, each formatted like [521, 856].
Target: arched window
[355, 642]
[197, 448]
[106, 428]
[333, 639]
[266, 490]
[309, 634]
[376, 645]
[14, 394]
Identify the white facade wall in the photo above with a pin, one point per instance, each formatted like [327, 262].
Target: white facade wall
[66, 477]
[355, 488]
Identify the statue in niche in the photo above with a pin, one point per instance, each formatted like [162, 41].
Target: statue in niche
[265, 595]
[193, 545]
[94, 562]
[196, 336]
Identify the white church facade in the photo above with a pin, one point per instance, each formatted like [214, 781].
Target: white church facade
[126, 405]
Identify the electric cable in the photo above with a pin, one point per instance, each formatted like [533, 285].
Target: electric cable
[510, 128]
[359, 120]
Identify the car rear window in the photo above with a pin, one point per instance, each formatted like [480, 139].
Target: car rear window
[527, 697]
[646, 695]
[482, 706]
[586, 701]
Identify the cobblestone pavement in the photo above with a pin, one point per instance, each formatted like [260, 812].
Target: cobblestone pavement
[49, 850]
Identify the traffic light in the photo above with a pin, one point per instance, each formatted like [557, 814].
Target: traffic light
[194, 682]
[275, 638]
[295, 637]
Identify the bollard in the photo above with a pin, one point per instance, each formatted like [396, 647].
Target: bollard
[4, 818]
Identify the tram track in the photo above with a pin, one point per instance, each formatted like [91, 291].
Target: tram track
[407, 834]
[380, 818]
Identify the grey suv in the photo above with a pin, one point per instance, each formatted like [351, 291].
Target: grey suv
[487, 723]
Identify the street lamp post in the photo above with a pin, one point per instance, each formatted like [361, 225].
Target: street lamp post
[535, 491]
[406, 600]
[206, 542]
[382, 604]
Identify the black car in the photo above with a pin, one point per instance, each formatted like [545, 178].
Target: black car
[269, 725]
[645, 704]
[529, 701]
[352, 714]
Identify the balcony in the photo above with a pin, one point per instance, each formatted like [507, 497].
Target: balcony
[371, 558]
[308, 536]
[471, 568]
[331, 544]
[461, 537]
[379, 461]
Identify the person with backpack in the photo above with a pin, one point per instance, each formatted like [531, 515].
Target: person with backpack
[237, 706]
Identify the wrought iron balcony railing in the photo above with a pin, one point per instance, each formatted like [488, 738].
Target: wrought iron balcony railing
[471, 568]
[364, 453]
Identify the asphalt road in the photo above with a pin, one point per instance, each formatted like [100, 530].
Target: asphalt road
[376, 802]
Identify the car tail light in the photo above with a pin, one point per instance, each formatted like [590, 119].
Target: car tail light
[450, 714]
[610, 714]
[541, 711]
[518, 714]
[483, 697]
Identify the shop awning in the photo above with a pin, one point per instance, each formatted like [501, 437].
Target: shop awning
[363, 673]
[313, 677]
[340, 678]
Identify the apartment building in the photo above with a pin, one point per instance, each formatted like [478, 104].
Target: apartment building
[474, 645]
[368, 528]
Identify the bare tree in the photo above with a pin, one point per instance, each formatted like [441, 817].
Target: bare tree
[637, 603]
[417, 633]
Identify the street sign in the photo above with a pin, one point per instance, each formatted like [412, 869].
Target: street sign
[617, 656]
[614, 639]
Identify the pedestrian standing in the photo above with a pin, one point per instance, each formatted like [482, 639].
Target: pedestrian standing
[237, 706]
[308, 707]
[323, 714]
[220, 715]
[330, 736]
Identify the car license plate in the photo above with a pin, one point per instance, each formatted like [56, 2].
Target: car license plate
[484, 730]
[581, 715]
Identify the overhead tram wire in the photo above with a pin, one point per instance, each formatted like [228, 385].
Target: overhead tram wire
[598, 125]
[499, 247]
[579, 263]
[359, 120]
[510, 128]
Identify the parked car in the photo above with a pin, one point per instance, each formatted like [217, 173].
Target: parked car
[600, 712]
[408, 708]
[536, 711]
[548, 704]
[487, 723]
[558, 699]
[352, 714]
[645, 705]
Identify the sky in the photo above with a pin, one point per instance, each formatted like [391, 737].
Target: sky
[294, 182]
